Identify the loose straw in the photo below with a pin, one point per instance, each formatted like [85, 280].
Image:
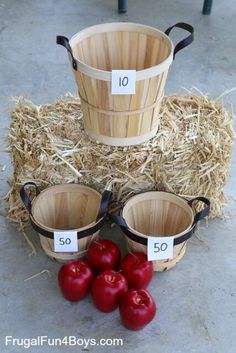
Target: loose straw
[38, 274]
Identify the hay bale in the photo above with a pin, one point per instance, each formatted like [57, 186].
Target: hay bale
[190, 154]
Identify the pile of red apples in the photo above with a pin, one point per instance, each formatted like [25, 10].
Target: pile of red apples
[113, 283]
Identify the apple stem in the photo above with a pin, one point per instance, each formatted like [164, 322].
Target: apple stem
[111, 278]
[76, 269]
[140, 300]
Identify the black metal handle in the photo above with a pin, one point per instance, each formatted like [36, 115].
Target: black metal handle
[120, 221]
[114, 211]
[64, 41]
[203, 213]
[80, 235]
[25, 197]
[106, 197]
[186, 41]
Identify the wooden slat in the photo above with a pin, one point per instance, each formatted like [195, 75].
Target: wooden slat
[121, 49]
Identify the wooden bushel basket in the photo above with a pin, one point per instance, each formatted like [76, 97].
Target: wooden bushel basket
[66, 207]
[122, 120]
[160, 214]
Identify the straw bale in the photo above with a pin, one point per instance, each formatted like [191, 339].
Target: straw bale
[190, 155]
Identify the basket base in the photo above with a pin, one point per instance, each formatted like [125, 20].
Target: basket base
[121, 141]
[47, 246]
[164, 265]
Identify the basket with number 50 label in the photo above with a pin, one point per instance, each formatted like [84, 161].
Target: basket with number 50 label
[159, 224]
[67, 217]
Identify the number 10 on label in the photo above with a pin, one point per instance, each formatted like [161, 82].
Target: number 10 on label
[160, 248]
[123, 82]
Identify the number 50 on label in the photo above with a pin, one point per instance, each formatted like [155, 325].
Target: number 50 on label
[65, 241]
[160, 248]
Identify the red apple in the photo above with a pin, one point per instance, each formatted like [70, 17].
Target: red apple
[137, 270]
[137, 308]
[74, 280]
[103, 255]
[107, 289]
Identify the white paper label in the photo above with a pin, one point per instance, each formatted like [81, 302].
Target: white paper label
[123, 82]
[65, 241]
[160, 248]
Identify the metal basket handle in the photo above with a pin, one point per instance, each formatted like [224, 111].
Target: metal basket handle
[64, 41]
[24, 195]
[186, 41]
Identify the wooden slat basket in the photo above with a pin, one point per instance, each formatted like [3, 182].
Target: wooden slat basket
[122, 120]
[66, 207]
[160, 214]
